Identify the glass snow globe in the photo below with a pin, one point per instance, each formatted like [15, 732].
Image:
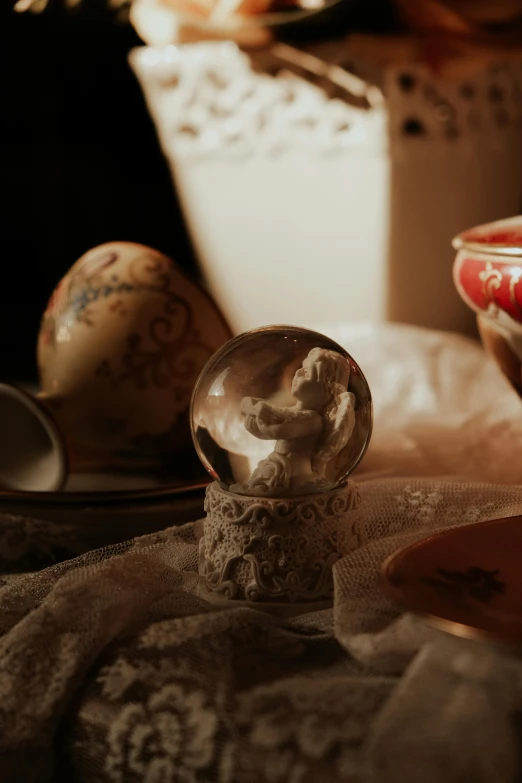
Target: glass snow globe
[281, 411]
[280, 418]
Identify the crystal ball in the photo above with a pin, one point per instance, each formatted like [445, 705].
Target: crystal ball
[281, 411]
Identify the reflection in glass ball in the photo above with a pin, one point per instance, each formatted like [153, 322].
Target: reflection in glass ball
[281, 411]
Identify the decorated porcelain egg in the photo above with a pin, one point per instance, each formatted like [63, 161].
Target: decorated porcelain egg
[121, 344]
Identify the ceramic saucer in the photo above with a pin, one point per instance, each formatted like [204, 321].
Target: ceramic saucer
[105, 487]
[466, 581]
[96, 510]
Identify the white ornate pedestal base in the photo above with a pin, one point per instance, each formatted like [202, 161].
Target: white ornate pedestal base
[277, 551]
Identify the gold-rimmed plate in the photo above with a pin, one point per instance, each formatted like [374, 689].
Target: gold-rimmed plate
[466, 581]
[94, 488]
[77, 519]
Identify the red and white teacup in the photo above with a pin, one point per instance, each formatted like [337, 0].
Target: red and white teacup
[488, 276]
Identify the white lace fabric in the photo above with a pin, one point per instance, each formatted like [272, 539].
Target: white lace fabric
[113, 670]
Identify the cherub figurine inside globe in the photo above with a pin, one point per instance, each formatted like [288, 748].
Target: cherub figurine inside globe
[308, 433]
[281, 416]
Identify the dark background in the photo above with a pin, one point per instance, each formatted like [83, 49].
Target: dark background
[79, 160]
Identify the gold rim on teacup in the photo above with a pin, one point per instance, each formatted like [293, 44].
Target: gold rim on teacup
[471, 239]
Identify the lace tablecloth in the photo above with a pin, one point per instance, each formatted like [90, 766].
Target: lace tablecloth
[112, 670]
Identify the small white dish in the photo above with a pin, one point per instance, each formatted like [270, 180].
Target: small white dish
[33, 456]
[78, 519]
[95, 488]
